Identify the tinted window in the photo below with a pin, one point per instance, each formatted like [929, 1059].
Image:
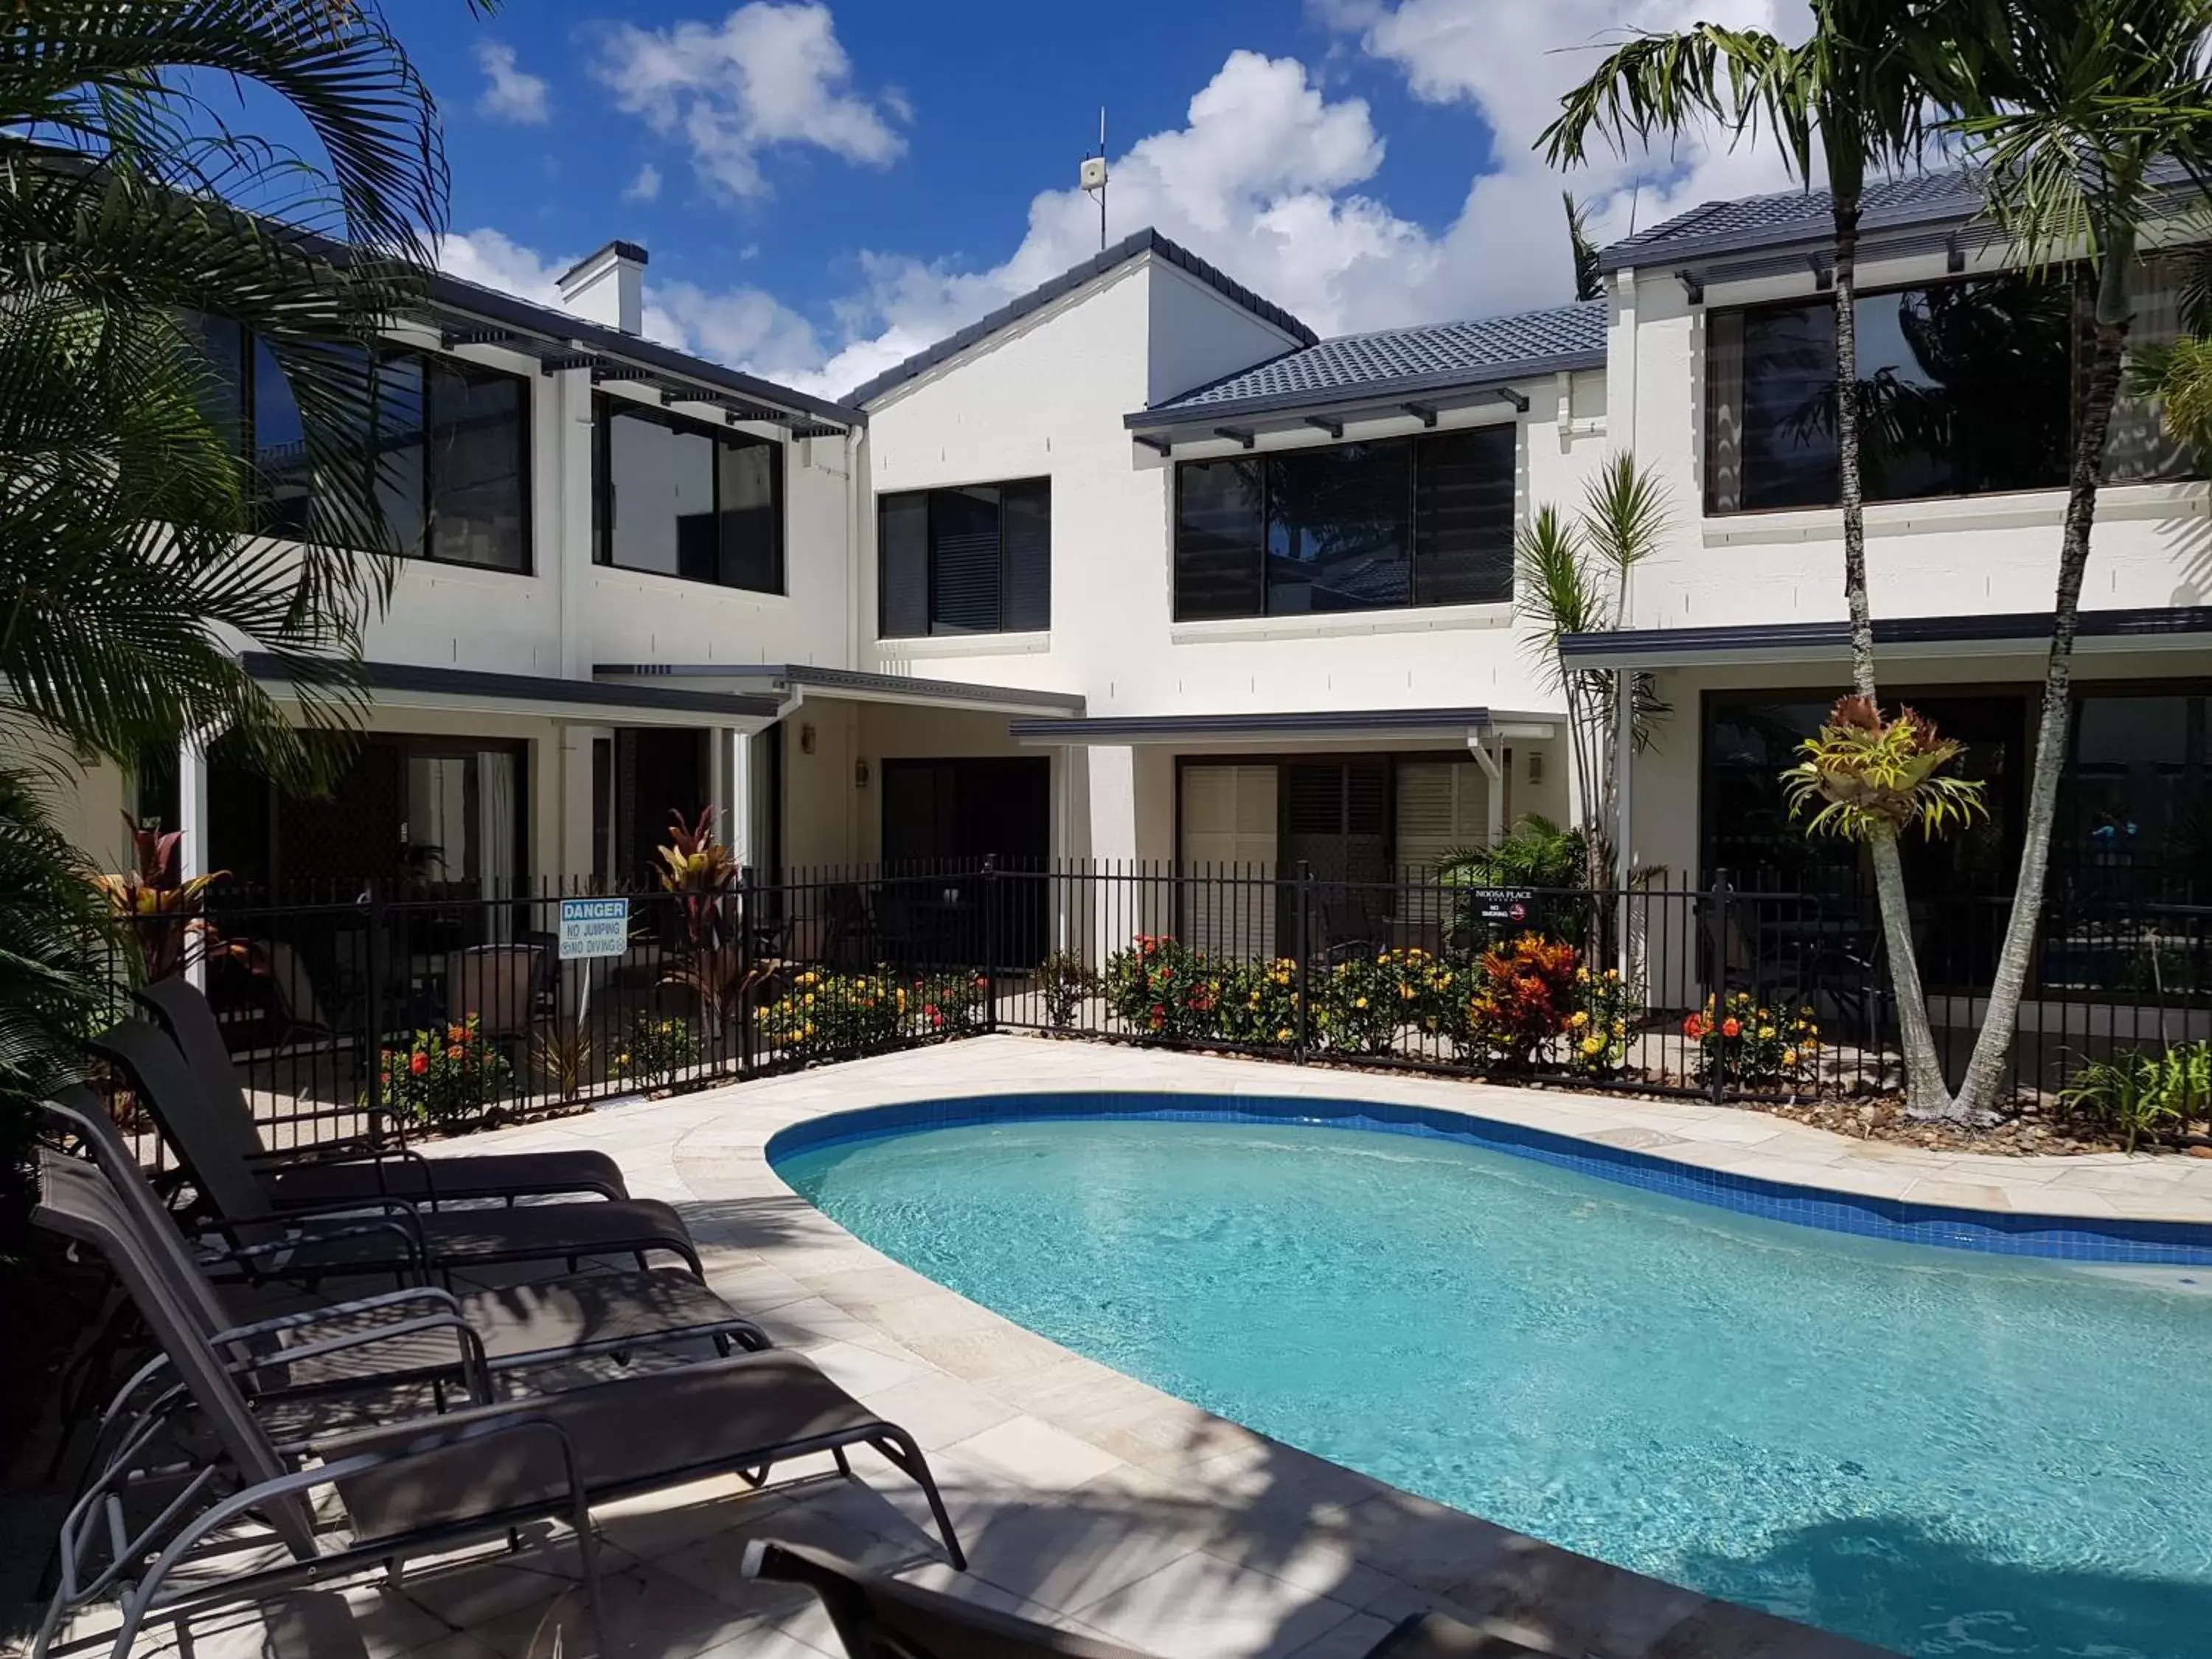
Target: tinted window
[479, 465]
[976, 559]
[1357, 527]
[679, 500]
[277, 445]
[1962, 388]
[1340, 529]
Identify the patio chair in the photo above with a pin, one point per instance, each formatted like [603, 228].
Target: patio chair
[371, 1233]
[318, 1177]
[409, 1488]
[371, 1340]
[878, 1617]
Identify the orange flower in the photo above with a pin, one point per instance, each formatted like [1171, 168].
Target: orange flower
[419, 1064]
[455, 1033]
[1731, 1027]
[454, 1052]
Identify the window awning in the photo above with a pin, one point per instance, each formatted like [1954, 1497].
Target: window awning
[1896, 639]
[1364, 725]
[580, 702]
[777, 681]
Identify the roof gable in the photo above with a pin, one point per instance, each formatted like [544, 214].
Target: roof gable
[1130, 247]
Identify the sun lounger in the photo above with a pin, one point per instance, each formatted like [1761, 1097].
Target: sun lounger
[318, 1177]
[372, 1341]
[878, 1617]
[405, 1489]
[373, 1234]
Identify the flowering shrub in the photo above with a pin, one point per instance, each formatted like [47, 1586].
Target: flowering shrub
[1258, 1003]
[1360, 1003]
[1745, 1041]
[1160, 987]
[655, 1049]
[445, 1076]
[1066, 982]
[1523, 998]
[837, 1016]
[948, 1005]
[1607, 1011]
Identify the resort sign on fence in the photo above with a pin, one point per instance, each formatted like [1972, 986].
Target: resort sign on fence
[595, 927]
[1517, 906]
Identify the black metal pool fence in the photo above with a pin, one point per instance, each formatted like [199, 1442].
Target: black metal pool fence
[359, 1012]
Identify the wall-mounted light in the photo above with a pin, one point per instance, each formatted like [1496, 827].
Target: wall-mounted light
[1535, 766]
[859, 775]
[805, 739]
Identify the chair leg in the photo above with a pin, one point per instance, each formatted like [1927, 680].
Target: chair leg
[902, 1452]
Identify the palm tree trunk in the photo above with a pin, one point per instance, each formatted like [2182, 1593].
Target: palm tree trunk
[1925, 1091]
[1925, 1095]
[1985, 1069]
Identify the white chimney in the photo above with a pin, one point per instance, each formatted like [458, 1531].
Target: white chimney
[608, 287]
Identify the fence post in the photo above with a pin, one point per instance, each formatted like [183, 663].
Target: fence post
[746, 993]
[1304, 943]
[373, 1044]
[1718, 954]
[990, 942]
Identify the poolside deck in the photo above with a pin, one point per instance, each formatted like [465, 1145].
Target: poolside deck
[1086, 1498]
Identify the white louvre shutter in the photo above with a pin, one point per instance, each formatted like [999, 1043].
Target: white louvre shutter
[1229, 833]
[1442, 808]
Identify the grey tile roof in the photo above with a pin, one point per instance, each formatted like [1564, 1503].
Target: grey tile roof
[1796, 216]
[1144, 241]
[1434, 356]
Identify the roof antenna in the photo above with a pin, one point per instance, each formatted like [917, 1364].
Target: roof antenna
[1092, 174]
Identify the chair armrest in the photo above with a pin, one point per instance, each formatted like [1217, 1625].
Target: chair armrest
[351, 1157]
[310, 1317]
[473, 1361]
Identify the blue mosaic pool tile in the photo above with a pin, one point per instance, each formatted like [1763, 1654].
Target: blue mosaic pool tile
[2068, 1238]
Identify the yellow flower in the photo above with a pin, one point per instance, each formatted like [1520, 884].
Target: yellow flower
[1767, 1033]
[1620, 1028]
[1593, 1045]
[1359, 1002]
[1580, 1018]
[1788, 1056]
[1405, 993]
[1613, 975]
[1282, 1036]
[806, 978]
[1582, 975]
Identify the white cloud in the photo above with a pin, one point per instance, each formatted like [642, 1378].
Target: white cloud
[747, 327]
[1275, 181]
[768, 75]
[645, 187]
[511, 93]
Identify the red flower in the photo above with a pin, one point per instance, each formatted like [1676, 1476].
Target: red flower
[419, 1064]
[1694, 1027]
[1731, 1027]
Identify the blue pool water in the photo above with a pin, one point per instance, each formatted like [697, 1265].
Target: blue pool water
[1942, 1452]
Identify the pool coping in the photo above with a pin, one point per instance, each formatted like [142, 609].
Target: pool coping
[2136, 1241]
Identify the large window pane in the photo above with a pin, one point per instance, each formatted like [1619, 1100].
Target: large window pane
[2138, 445]
[964, 566]
[279, 448]
[1463, 516]
[752, 528]
[1788, 408]
[479, 449]
[903, 542]
[660, 498]
[1219, 539]
[1026, 532]
[396, 448]
[1964, 387]
[2135, 810]
[1339, 529]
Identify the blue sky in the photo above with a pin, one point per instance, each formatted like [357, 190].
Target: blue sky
[827, 185]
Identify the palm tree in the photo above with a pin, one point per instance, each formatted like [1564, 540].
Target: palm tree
[1590, 282]
[1573, 578]
[133, 560]
[2087, 110]
[1856, 95]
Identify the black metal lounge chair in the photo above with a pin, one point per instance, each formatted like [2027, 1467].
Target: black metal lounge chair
[882, 1618]
[319, 1176]
[186, 1484]
[394, 1236]
[375, 1341]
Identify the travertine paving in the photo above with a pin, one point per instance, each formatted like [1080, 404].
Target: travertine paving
[1086, 1498]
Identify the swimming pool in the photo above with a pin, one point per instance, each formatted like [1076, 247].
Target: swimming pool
[1940, 1450]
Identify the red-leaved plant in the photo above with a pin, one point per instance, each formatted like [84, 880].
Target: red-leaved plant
[1524, 996]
